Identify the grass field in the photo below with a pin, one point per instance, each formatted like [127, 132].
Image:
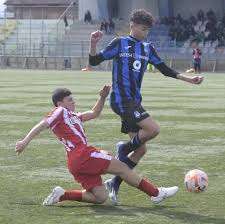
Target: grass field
[192, 120]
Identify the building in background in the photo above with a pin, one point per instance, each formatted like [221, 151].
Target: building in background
[37, 9]
[118, 9]
[159, 8]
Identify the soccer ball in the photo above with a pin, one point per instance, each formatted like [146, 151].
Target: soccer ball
[196, 181]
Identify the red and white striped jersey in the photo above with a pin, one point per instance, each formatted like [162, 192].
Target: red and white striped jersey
[197, 53]
[68, 128]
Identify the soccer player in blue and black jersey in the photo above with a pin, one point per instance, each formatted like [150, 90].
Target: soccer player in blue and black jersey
[131, 55]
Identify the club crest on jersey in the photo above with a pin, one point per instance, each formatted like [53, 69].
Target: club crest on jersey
[127, 47]
[137, 114]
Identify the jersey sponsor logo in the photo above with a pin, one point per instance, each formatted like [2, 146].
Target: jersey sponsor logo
[132, 55]
[126, 55]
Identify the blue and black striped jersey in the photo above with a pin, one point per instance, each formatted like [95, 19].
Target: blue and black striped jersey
[130, 59]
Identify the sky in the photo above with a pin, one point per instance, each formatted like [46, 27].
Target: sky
[1, 6]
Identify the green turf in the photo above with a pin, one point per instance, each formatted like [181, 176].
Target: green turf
[192, 120]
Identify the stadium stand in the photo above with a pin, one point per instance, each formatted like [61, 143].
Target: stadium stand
[49, 43]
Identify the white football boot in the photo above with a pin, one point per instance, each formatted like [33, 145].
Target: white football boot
[164, 192]
[54, 197]
[112, 192]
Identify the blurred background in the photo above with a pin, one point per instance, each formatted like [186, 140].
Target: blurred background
[54, 34]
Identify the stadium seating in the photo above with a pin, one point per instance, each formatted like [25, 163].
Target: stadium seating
[50, 38]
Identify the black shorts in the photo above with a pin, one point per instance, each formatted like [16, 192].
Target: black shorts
[197, 64]
[132, 114]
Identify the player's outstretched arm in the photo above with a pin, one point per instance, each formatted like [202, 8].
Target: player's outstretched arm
[98, 107]
[21, 145]
[167, 71]
[190, 79]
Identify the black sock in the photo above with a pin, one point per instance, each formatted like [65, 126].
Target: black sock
[134, 143]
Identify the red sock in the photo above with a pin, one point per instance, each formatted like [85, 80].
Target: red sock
[148, 188]
[73, 195]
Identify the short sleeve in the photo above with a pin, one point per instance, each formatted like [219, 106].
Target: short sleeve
[154, 59]
[111, 50]
[54, 117]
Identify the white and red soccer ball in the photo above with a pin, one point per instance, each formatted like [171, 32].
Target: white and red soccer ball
[196, 181]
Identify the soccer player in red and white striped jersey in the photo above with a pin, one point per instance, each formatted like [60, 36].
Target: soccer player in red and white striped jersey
[86, 163]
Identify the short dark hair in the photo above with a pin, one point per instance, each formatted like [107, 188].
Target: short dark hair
[59, 94]
[143, 17]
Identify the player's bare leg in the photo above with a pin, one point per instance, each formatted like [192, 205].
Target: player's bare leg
[119, 168]
[136, 155]
[114, 183]
[150, 129]
[97, 195]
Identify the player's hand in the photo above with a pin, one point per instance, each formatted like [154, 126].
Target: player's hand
[20, 146]
[196, 79]
[104, 92]
[96, 36]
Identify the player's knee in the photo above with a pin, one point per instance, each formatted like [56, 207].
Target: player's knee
[101, 198]
[153, 131]
[142, 150]
[156, 131]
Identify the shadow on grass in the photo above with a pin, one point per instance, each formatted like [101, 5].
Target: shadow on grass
[164, 211]
[130, 211]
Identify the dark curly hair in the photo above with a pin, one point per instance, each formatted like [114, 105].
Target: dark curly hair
[143, 17]
[59, 94]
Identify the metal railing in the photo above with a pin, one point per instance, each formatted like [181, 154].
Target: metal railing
[38, 36]
[32, 34]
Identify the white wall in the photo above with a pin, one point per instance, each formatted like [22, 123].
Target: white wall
[91, 5]
[150, 5]
[125, 9]
[103, 9]
[127, 6]
[187, 7]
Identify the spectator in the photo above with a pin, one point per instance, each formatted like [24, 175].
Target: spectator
[111, 26]
[203, 28]
[201, 16]
[66, 24]
[193, 20]
[105, 26]
[65, 21]
[102, 26]
[67, 63]
[196, 58]
[87, 17]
